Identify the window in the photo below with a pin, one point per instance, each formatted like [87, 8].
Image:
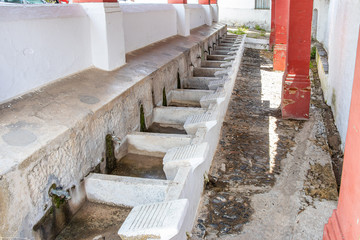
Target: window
[262, 4]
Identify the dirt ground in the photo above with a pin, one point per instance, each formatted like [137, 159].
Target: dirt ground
[270, 178]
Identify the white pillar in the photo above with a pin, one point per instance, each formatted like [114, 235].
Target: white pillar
[208, 14]
[215, 12]
[183, 19]
[107, 34]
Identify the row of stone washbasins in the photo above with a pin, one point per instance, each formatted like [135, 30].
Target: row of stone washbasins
[162, 176]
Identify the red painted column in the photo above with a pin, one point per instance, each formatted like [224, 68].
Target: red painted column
[213, 1]
[296, 89]
[204, 2]
[177, 1]
[345, 221]
[272, 34]
[281, 25]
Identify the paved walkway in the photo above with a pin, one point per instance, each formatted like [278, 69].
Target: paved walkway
[270, 178]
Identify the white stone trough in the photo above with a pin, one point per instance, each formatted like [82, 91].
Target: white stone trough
[187, 97]
[166, 209]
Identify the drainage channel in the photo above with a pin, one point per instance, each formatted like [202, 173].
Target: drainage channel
[153, 191]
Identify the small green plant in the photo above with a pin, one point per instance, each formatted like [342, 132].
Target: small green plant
[244, 27]
[164, 103]
[257, 27]
[313, 53]
[206, 179]
[311, 65]
[142, 119]
[262, 34]
[56, 200]
[239, 31]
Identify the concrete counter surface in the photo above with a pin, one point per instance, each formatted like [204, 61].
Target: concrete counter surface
[57, 133]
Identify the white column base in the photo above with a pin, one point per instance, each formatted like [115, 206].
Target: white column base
[208, 14]
[107, 35]
[183, 19]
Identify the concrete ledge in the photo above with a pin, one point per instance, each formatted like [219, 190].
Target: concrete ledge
[154, 221]
[187, 96]
[155, 144]
[192, 155]
[174, 115]
[125, 191]
[194, 122]
[214, 98]
[213, 85]
[199, 82]
[57, 135]
[257, 43]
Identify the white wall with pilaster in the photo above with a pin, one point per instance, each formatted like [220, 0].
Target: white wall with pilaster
[243, 12]
[40, 44]
[338, 30]
[322, 28]
[197, 15]
[43, 43]
[147, 23]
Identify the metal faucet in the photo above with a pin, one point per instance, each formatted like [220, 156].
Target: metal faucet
[59, 192]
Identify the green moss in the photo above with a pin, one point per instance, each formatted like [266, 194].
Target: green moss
[206, 179]
[313, 53]
[239, 31]
[142, 119]
[110, 153]
[178, 81]
[257, 27]
[244, 27]
[56, 200]
[311, 65]
[164, 103]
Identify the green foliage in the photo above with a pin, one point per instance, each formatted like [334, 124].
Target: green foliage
[56, 200]
[257, 27]
[142, 119]
[244, 27]
[311, 65]
[313, 53]
[239, 31]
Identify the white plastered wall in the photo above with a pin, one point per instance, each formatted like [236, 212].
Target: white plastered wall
[197, 15]
[147, 23]
[40, 44]
[43, 43]
[341, 27]
[239, 12]
[322, 29]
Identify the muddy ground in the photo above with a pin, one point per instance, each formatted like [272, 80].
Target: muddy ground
[270, 178]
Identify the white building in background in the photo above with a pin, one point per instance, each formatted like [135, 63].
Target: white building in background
[245, 12]
[238, 12]
[336, 27]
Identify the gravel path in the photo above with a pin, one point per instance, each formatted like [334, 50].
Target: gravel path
[270, 178]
